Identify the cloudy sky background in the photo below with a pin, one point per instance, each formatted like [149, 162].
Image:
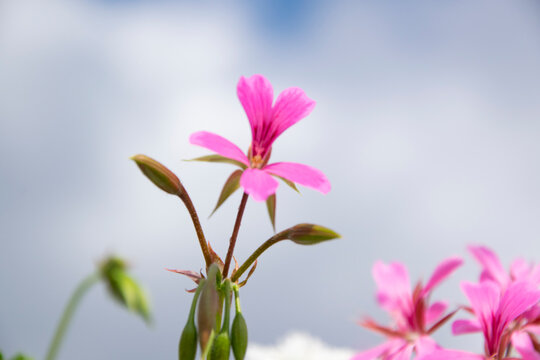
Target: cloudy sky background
[427, 125]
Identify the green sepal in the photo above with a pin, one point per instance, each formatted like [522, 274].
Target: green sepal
[239, 336]
[231, 185]
[271, 207]
[220, 159]
[288, 182]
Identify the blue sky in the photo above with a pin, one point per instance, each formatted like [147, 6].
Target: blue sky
[426, 124]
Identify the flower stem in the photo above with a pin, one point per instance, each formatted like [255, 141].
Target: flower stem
[68, 314]
[183, 195]
[234, 235]
[274, 239]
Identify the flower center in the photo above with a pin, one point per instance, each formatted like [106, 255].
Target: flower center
[257, 161]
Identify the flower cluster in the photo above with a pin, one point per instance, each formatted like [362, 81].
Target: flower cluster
[504, 307]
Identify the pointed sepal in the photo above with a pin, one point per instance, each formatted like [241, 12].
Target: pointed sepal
[215, 158]
[231, 185]
[271, 207]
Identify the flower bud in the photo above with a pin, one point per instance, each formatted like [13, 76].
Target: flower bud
[188, 342]
[310, 234]
[209, 307]
[162, 177]
[239, 336]
[124, 288]
[221, 347]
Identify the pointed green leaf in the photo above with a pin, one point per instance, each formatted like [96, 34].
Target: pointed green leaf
[271, 206]
[289, 183]
[231, 185]
[219, 159]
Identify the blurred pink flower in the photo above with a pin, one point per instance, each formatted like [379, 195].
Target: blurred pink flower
[493, 270]
[267, 123]
[495, 314]
[414, 319]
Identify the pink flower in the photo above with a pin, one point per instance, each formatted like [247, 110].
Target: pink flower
[414, 319]
[267, 121]
[493, 270]
[495, 314]
[523, 328]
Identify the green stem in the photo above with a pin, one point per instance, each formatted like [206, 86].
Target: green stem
[274, 239]
[76, 297]
[227, 292]
[234, 235]
[237, 298]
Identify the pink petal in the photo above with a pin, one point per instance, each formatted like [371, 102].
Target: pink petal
[465, 327]
[520, 269]
[491, 264]
[484, 299]
[301, 174]
[373, 353]
[450, 355]
[523, 344]
[443, 270]
[291, 106]
[393, 287]
[219, 145]
[519, 297]
[404, 353]
[425, 345]
[258, 184]
[435, 311]
[256, 95]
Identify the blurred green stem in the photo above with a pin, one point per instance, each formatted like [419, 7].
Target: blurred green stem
[79, 292]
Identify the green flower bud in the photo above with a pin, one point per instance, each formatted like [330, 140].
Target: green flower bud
[221, 347]
[187, 349]
[310, 234]
[162, 177]
[239, 336]
[19, 357]
[209, 306]
[124, 288]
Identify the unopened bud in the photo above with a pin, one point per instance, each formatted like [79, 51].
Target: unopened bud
[162, 177]
[209, 306]
[221, 347]
[124, 288]
[310, 234]
[188, 342]
[239, 336]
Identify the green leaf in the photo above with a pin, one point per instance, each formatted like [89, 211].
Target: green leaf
[231, 185]
[19, 357]
[288, 182]
[310, 234]
[271, 207]
[219, 159]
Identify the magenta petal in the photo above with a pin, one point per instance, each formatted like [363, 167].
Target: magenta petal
[523, 344]
[393, 288]
[301, 174]
[219, 145]
[373, 353]
[256, 95]
[258, 184]
[443, 270]
[425, 345]
[292, 105]
[450, 355]
[465, 326]
[519, 297]
[490, 263]
[435, 311]
[484, 299]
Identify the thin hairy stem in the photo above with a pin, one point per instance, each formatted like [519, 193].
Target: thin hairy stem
[183, 195]
[234, 235]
